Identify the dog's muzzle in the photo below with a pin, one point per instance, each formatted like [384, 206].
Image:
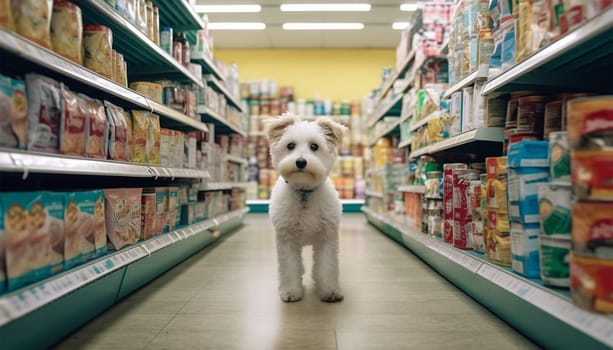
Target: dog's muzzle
[301, 163]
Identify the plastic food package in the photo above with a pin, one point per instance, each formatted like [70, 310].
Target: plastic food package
[79, 241]
[33, 20]
[96, 135]
[139, 136]
[13, 113]
[141, 16]
[148, 216]
[497, 184]
[129, 136]
[72, 125]
[117, 137]
[152, 152]
[44, 113]
[67, 30]
[151, 90]
[98, 49]
[6, 21]
[122, 216]
[150, 20]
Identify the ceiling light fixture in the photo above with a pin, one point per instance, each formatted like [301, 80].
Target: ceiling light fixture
[323, 26]
[237, 26]
[228, 8]
[400, 25]
[325, 7]
[408, 7]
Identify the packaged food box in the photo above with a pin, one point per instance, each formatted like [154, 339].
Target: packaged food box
[559, 156]
[528, 154]
[80, 230]
[554, 259]
[523, 193]
[525, 249]
[590, 122]
[496, 169]
[554, 201]
[13, 113]
[148, 213]
[462, 214]
[448, 199]
[591, 285]
[592, 174]
[498, 247]
[151, 90]
[592, 234]
[123, 216]
[100, 237]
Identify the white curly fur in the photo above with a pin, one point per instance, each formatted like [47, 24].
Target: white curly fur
[304, 206]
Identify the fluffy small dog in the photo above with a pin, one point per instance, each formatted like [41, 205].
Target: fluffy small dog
[304, 206]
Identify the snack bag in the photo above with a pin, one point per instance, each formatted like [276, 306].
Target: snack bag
[67, 30]
[96, 134]
[153, 140]
[13, 113]
[140, 134]
[72, 126]
[6, 20]
[33, 20]
[44, 113]
[118, 128]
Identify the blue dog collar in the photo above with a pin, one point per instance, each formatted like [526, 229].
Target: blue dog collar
[304, 193]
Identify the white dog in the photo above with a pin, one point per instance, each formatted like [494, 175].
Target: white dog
[304, 205]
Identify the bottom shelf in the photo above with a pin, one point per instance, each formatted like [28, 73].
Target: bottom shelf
[53, 308]
[547, 316]
[261, 205]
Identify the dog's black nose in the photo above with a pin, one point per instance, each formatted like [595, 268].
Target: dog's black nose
[301, 163]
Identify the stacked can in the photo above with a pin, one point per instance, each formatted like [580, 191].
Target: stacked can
[462, 213]
[448, 199]
[528, 164]
[497, 231]
[590, 138]
[434, 203]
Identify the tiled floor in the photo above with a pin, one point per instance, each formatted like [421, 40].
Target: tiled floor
[226, 298]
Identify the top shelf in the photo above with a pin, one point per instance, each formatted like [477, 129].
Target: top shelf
[399, 74]
[586, 49]
[468, 80]
[179, 14]
[218, 86]
[208, 66]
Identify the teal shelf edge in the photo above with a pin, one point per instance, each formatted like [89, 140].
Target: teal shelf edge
[533, 320]
[261, 205]
[60, 317]
[179, 14]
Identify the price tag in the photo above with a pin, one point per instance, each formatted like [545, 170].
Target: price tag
[5, 314]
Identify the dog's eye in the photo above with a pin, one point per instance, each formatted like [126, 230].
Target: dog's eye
[291, 146]
[314, 147]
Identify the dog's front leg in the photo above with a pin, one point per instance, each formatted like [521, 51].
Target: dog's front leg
[290, 271]
[325, 271]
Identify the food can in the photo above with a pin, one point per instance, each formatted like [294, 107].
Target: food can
[166, 39]
[530, 114]
[553, 118]
[177, 51]
[448, 199]
[554, 202]
[592, 229]
[592, 174]
[591, 285]
[559, 155]
[462, 214]
[590, 122]
[554, 256]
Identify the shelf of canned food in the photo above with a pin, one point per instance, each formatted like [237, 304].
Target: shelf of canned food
[590, 42]
[386, 110]
[388, 130]
[24, 49]
[397, 75]
[492, 134]
[12, 160]
[505, 292]
[207, 64]
[217, 186]
[221, 124]
[147, 59]
[28, 299]
[218, 86]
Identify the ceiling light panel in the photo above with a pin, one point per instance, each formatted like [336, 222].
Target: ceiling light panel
[325, 7]
[236, 26]
[408, 7]
[323, 26]
[400, 25]
[228, 8]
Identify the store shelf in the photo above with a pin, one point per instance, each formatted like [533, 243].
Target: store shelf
[219, 186]
[390, 109]
[176, 120]
[412, 188]
[222, 126]
[178, 14]
[262, 205]
[523, 303]
[219, 87]
[404, 143]
[418, 124]
[397, 75]
[585, 50]
[208, 66]
[17, 161]
[376, 194]
[237, 160]
[468, 80]
[390, 129]
[477, 135]
[405, 116]
[145, 59]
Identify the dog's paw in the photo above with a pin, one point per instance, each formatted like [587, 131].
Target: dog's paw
[290, 296]
[331, 297]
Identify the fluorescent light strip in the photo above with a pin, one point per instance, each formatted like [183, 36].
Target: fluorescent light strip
[323, 26]
[325, 7]
[237, 26]
[400, 25]
[408, 7]
[228, 8]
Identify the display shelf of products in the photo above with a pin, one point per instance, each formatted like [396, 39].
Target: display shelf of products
[370, 193]
[12, 160]
[179, 14]
[590, 45]
[468, 80]
[406, 115]
[404, 66]
[207, 65]
[176, 119]
[145, 59]
[524, 303]
[477, 135]
[217, 186]
[412, 188]
[393, 105]
[219, 87]
[388, 130]
[418, 124]
[222, 126]
[104, 280]
[404, 143]
[236, 159]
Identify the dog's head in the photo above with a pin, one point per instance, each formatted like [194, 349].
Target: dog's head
[303, 152]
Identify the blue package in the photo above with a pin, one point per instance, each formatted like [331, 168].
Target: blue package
[528, 154]
[522, 188]
[525, 250]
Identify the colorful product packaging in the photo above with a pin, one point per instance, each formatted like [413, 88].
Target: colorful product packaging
[554, 201]
[554, 259]
[525, 249]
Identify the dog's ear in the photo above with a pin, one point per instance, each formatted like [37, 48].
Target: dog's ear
[274, 126]
[332, 130]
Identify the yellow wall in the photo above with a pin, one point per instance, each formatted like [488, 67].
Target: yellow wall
[334, 74]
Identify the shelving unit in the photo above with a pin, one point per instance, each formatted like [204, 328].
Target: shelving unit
[222, 126]
[389, 130]
[207, 65]
[179, 14]
[218, 186]
[418, 124]
[370, 193]
[466, 81]
[412, 188]
[397, 75]
[391, 109]
[523, 303]
[219, 87]
[473, 137]
[79, 294]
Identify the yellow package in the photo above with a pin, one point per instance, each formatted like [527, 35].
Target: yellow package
[33, 20]
[498, 247]
[98, 49]
[6, 15]
[66, 30]
[153, 140]
[151, 90]
[140, 120]
[129, 137]
[496, 187]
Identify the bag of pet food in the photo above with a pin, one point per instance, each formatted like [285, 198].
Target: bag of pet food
[33, 20]
[72, 124]
[118, 132]
[44, 113]
[96, 130]
[13, 112]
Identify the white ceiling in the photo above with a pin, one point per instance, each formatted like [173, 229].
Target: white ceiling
[377, 32]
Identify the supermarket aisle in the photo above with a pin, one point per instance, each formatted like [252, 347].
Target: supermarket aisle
[226, 298]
